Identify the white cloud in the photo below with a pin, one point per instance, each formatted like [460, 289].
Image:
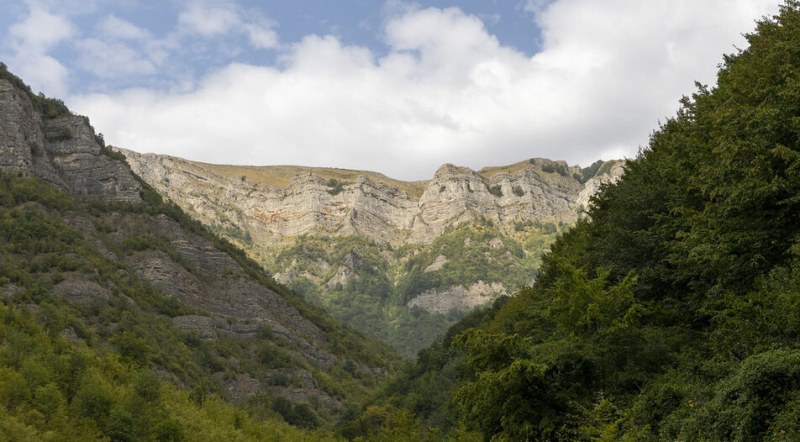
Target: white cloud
[113, 60]
[228, 18]
[115, 27]
[446, 91]
[31, 40]
[208, 21]
[41, 30]
[119, 49]
[262, 36]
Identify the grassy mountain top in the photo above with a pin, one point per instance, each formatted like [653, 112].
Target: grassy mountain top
[511, 169]
[281, 176]
[552, 168]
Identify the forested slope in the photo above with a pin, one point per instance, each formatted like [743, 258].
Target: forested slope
[121, 318]
[673, 311]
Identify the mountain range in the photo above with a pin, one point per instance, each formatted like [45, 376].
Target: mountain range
[110, 270]
[399, 261]
[669, 310]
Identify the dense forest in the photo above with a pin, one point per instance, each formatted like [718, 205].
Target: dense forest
[672, 312]
[111, 367]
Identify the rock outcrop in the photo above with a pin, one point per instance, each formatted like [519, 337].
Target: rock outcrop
[458, 299]
[368, 207]
[63, 151]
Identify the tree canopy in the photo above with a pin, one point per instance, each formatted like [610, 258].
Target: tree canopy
[673, 311]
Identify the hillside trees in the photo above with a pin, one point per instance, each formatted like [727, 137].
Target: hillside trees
[671, 313]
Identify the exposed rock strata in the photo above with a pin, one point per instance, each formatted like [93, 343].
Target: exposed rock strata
[61, 150]
[458, 298]
[266, 209]
[270, 215]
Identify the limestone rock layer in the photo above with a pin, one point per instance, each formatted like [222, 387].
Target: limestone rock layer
[272, 204]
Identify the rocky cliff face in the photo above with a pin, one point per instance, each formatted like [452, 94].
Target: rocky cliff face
[227, 303]
[366, 206]
[375, 251]
[62, 150]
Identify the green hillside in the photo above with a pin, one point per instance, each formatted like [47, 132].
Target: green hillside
[672, 312]
[94, 347]
[104, 368]
[381, 280]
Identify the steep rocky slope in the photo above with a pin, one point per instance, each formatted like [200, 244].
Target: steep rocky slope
[398, 260]
[225, 326]
[273, 204]
[62, 150]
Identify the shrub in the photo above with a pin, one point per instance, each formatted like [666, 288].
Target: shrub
[335, 186]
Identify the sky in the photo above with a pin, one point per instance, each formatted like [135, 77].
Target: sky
[393, 86]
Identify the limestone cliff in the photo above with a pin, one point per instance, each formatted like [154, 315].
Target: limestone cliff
[313, 201]
[62, 150]
[398, 260]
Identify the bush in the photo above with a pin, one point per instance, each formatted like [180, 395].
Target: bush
[335, 186]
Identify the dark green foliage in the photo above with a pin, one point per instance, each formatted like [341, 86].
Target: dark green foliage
[47, 107]
[335, 186]
[590, 171]
[556, 167]
[495, 190]
[671, 312]
[109, 152]
[299, 415]
[518, 191]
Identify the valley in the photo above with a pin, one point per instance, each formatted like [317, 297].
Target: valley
[398, 261]
[148, 297]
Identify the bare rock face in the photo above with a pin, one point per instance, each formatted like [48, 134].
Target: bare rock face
[457, 195]
[269, 214]
[20, 130]
[237, 303]
[594, 184]
[80, 291]
[63, 151]
[458, 298]
[306, 214]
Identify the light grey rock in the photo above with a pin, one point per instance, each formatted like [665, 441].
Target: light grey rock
[271, 215]
[458, 298]
[63, 151]
[81, 291]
